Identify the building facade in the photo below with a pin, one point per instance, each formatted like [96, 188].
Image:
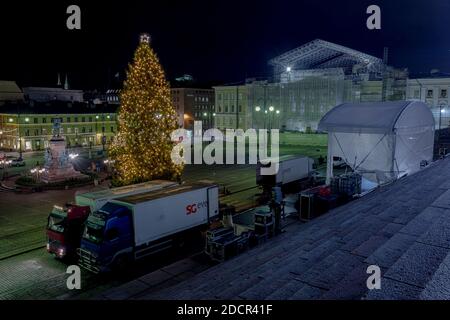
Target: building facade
[232, 107]
[29, 127]
[43, 94]
[434, 91]
[193, 104]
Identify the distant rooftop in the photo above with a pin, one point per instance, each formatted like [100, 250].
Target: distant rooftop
[56, 107]
[10, 91]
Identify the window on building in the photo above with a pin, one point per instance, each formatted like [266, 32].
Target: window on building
[444, 93]
[103, 129]
[76, 119]
[44, 120]
[68, 119]
[83, 119]
[90, 119]
[83, 130]
[430, 93]
[220, 109]
[416, 94]
[90, 129]
[240, 108]
[69, 130]
[226, 108]
[27, 132]
[36, 132]
[35, 120]
[112, 129]
[232, 109]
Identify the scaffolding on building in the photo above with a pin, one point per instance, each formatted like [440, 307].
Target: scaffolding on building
[320, 54]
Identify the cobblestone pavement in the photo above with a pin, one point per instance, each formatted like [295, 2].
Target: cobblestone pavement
[33, 275]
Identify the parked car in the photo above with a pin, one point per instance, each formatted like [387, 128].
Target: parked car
[17, 163]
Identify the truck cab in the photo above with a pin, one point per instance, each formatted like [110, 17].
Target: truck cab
[107, 238]
[64, 227]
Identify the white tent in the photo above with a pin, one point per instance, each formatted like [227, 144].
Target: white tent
[381, 140]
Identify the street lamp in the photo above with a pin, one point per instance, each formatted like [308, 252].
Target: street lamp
[258, 109]
[271, 108]
[38, 172]
[288, 69]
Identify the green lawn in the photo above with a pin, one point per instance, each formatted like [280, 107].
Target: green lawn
[311, 145]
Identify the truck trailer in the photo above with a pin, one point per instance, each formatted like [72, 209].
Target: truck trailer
[130, 228]
[290, 169]
[65, 224]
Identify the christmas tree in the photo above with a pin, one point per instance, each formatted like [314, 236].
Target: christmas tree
[146, 119]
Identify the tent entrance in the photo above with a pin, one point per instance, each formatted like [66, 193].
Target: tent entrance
[371, 155]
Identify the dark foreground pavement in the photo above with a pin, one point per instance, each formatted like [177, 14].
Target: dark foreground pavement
[403, 228]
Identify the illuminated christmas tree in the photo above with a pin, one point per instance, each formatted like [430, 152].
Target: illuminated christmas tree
[142, 148]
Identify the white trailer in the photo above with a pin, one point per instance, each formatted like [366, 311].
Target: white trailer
[160, 214]
[290, 169]
[95, 200]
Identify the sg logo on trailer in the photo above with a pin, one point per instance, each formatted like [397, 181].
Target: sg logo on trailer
[190, 209]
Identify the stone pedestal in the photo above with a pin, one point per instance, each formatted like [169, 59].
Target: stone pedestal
[57, 165]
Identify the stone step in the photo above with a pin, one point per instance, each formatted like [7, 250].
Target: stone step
[410, 274]
[438, 288]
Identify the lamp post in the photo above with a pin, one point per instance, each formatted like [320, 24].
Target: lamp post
[37, 172]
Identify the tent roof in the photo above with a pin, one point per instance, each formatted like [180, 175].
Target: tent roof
[376, 117]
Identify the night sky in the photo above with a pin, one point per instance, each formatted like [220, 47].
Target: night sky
[219, 41]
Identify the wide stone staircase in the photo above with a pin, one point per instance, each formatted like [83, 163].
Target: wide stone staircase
[403, 228]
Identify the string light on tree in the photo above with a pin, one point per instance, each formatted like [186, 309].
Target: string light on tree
[146, 119]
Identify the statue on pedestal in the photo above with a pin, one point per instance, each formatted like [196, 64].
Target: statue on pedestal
[57, 165]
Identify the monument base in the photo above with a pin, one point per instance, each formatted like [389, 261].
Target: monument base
[62, 174]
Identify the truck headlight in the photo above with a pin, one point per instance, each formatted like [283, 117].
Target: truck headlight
[61, 252]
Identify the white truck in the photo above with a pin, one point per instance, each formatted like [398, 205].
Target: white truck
[290, 169]
[132, 227]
